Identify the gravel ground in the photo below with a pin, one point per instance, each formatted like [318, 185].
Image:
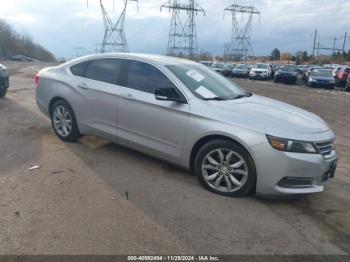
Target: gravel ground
[75, 202]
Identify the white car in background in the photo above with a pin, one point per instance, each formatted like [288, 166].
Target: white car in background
[218, 67]
[261, 71]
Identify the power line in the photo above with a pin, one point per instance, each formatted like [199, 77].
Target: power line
[318, 47]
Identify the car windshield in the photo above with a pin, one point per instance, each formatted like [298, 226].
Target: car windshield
[288, 68]
[228, 66]
[261, 66]
[242, 67]
[325, 73]
[217, 65]
[205, 83]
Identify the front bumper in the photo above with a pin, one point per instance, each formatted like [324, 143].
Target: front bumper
[286, 78]
[321, 84]
[273, 166]
[258, 76]
[240, 74]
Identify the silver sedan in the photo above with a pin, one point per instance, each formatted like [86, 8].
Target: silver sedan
[185, 113]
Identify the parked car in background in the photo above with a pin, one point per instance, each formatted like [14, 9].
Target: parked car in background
[241, 70]
[274, 68]
[227, 69]
[217, 66]
[342, 76]
[286, 74]
[347, 87]
[310, 69]
[206, 63]
[301, 68]
[320, 78]
[261, 71]
[4, 80]
[336, 70]
[22, 58]
[183, 112]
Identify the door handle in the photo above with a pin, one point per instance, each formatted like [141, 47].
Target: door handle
[127, 96]
[83, 86]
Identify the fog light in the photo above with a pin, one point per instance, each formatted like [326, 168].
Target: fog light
[295, 182]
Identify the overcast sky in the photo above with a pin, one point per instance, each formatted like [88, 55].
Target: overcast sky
[61, 25]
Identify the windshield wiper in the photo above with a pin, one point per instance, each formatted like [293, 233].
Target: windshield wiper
[218, 98]
[247, 94]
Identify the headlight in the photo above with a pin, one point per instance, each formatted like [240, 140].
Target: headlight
[288, 145]
[311, 79]
[332, 81]
[4, 73]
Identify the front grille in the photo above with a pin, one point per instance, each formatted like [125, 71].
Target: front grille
[325, 148]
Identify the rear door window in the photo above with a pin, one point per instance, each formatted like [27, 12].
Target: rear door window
[146, 78]
[105, 70]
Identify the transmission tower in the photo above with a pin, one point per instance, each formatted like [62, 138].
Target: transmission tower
[240, 46]
[114, 37]
[183, 35]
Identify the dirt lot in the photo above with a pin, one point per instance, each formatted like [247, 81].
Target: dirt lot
[74, 203]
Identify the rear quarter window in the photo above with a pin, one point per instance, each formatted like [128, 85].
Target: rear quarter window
[79, 69]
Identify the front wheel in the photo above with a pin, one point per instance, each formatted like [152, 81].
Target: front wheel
[64, 122]
[226, 168]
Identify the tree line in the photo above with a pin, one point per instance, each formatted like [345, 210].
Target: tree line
[301, 57]
[12, 43]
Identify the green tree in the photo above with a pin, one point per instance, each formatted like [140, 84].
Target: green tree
[275, 54]
[305, 56]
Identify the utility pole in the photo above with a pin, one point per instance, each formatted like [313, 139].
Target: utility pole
[182, 39]
[334, 41]
[344, 43]
[240, 44]
[314, 46]
[333, 49]
[79, 51]
[114, 37]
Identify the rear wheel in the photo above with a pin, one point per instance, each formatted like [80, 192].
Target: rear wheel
[3, 92]
[226, 168]
[64, 122]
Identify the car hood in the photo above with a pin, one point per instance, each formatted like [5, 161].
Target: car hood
[268, 116]
[259, 70]
[240, 70]
[286, 72]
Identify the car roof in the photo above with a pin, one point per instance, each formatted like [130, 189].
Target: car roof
[158, 59]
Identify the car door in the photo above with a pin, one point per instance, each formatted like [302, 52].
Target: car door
[152, 125]
[100, 91]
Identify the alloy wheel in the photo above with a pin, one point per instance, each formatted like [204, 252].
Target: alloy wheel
[62, 121]
[225, 170]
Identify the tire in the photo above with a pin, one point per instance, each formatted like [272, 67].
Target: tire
[308, 83]
[244, 173]
[3, 92]
[62, 108]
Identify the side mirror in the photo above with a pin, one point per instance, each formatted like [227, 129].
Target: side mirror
[168, 94]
